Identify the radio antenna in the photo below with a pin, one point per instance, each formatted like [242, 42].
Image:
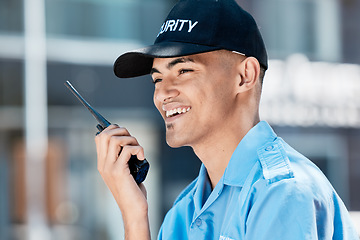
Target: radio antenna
[102, 121]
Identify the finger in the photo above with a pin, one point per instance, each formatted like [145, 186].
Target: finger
[118, 138]
[102, 144]
[103, 139]
[120, 164]
[100, 136]
[128, 151]
[116, 144]
[119, 169]
[116, 130]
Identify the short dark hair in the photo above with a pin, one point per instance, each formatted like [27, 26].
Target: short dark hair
[262, 74]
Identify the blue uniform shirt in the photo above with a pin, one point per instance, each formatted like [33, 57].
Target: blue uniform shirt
[268, 191]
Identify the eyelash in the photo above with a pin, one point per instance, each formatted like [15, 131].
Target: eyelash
[181, 71]
[157, 80]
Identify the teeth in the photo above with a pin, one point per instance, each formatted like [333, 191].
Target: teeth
[177, 110]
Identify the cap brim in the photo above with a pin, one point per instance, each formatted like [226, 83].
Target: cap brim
[139, 62]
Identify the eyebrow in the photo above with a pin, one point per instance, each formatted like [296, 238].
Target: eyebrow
[173, 63]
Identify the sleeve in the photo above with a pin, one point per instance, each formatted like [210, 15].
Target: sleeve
[287, 210]
[159, 237]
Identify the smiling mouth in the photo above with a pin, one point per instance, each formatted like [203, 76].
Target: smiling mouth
[177, 111]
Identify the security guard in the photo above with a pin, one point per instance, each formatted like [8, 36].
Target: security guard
[208, 63]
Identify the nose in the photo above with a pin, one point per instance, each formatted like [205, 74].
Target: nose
[165, 91]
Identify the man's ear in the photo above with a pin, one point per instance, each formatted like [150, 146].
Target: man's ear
[249, 71]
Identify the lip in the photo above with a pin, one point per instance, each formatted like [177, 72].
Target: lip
[173, 118]
[168, 108]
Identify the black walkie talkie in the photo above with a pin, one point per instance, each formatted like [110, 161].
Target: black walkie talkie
[138, 169]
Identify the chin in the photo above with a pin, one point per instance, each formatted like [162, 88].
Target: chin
[174, 142]
[176, 138]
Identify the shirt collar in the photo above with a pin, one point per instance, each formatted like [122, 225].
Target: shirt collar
[245, 155]
[202, 184]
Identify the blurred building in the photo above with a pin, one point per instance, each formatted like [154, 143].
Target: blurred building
[310, 96]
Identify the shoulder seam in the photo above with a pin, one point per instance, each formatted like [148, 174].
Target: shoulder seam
[274, 162]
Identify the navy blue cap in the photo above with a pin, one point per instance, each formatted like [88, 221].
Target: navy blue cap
[197, 26]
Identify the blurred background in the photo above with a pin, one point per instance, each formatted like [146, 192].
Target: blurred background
[49, 184]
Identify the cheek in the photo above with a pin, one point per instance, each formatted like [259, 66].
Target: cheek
[154, 99]
[156, 103]
[220, 100]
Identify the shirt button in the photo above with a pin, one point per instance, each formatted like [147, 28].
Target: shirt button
[269, 148]
[198, 222]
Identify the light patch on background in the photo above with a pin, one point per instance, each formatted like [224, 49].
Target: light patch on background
[298, 92]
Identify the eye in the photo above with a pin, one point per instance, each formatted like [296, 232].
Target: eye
[156, 80]
[182, 71]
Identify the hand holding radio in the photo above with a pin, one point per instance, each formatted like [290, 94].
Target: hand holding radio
[115, 169]
[123, 167]
[138, 169]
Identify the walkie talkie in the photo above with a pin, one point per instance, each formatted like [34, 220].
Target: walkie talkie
[138, 169]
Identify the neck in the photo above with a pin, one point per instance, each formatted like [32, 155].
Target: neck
[216, 151]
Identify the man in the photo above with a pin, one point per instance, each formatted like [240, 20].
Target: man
[207, 64]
